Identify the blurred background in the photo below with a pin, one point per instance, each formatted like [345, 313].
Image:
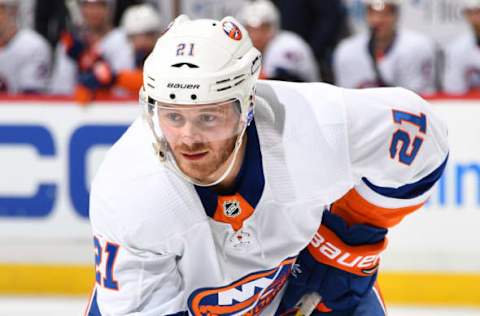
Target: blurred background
[70, 72]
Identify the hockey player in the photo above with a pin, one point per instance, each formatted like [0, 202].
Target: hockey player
[462, 57]
[210, 198]
[143, 26]
[94, 42]
[25, 57]
[286, 56]
[386, 55]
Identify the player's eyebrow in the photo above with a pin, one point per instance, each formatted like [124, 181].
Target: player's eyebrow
[213, 109]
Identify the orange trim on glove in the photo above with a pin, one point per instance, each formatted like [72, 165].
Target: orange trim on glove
[326, 247]
[354, 209]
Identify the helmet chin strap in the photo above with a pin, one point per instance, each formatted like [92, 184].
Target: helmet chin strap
[164, 153]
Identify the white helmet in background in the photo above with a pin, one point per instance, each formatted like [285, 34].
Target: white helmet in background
[200, 63]
[380, 4]
[471, 4]
[260, 12]
[142, 18]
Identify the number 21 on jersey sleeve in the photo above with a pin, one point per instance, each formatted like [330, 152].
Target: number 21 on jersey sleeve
[401, 145]
[108, 253]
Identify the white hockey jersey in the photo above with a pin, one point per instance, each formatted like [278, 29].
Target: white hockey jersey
[162, 246]
[462, 65]
[114, 47]
[25, 63]
[409, 63]
[290, 52]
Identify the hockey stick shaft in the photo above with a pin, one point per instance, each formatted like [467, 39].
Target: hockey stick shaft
[308, 303]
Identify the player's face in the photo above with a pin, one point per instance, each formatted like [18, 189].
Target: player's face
[6, 17]
[3, 15]
[382, 20]
[473, 17]
[261, 35]
[144, 42]
[96, 14]
[201, 137]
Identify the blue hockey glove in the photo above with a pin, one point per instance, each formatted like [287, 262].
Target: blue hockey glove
[340, 264]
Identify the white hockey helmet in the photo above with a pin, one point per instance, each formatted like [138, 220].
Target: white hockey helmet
[199, 63]
[471, 4]
[141, 18]
[258, 12]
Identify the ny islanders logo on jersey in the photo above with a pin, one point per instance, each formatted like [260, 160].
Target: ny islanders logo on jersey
[249, 295]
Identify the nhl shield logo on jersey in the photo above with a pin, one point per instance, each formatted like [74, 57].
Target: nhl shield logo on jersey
[249, 295]
[232, 208]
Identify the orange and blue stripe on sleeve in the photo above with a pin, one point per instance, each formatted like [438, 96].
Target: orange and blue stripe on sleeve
[355, 209]
[382, 206]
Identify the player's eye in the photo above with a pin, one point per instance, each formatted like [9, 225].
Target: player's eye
[209, 120]
[174, 118]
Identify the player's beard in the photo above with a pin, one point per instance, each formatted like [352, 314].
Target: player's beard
[210, 167]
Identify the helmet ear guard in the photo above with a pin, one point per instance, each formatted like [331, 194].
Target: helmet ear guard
[160, 144]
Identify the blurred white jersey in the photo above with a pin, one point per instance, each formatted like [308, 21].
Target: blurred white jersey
[462, 65]
[288, 52]
[409, 63]
[157, 251]
[114, 47]
[25, 63]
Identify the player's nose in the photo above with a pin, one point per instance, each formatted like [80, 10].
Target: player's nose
[190, 133]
